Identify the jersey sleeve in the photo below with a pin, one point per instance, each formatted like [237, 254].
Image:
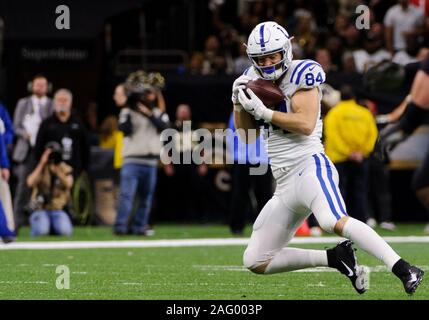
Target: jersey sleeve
[307, 75]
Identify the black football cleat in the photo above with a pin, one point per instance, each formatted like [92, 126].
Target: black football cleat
[410, 276]
[343, 258]
[413, 279]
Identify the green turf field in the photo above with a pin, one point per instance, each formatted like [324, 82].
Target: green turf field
[187, 272]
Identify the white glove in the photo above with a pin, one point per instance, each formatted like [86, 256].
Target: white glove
[239, 83]
[382, 119]
[254, 105]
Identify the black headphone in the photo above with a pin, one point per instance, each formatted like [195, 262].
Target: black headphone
[37, 76]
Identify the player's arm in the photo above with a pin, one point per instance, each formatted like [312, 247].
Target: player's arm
[242, 119]
[304, 102]
[305, 110]
[36, 175]
[395, 114]
[415, 111]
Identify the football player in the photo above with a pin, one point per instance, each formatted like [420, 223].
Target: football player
[411, 114]
[307, 181]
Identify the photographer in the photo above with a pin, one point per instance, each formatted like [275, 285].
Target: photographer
[65, 127]
[51, 182]
[141, 121]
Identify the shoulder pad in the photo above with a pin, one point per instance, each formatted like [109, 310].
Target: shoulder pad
[250, 71]
[307, 74]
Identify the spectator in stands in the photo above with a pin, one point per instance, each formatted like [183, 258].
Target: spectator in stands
[305, 33]
[348, 7]
[348, 63]
[226, 32]
[247, 156]
[423, 6]
[334, 46]
[402, 21]
[380, 7]
[215, 60]
[409, 55]
[372, 50]
[51, 181]
[241, 63]
[108, 133]
[350, 135]
[29, 113]
[346, 31]
[196, 63]
[324, 58]
[211, 51]
[141, 121]
[251, 17]
[68, 130]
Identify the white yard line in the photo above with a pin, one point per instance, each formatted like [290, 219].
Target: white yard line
[44, 245]
[378, 268]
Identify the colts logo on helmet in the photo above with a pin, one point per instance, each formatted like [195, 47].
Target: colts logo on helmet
[262, 40]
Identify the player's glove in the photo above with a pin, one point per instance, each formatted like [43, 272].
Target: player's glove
[239, 83]
[388, 139]
[382, 119]
[254, 105]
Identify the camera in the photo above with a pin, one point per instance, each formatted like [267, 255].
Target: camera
[138, 89]
[56, 155]
[37, 203]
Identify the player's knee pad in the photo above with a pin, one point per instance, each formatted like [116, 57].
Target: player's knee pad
[252, 262]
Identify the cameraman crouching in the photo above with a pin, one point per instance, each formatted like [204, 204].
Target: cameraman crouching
[51, 182]
[141, 121]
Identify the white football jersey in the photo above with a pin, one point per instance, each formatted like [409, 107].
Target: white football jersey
[286, 149]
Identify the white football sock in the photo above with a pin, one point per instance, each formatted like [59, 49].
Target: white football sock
[366, 238]
[289, 259]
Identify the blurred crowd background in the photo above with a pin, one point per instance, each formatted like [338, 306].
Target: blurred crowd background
[196, 48]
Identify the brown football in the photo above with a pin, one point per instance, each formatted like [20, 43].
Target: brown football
[269, 93]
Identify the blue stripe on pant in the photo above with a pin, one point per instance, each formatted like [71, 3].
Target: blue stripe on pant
[333, 186]
[324, 188]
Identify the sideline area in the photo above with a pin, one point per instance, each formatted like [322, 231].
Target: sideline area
[31, 245]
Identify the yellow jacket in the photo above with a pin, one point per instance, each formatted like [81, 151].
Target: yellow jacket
[349, 127]
[114, 142]
[117, 158]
